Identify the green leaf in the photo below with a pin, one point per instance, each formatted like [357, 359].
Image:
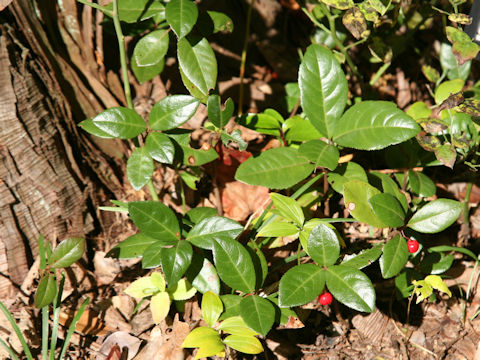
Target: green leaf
[351, 287]
[131, 247]
[446, 154]
[160, 147]
[172, 111]
[189, 156]
[197, 62]
[258, 313]
[262, 123]
[277, 228]
[431, 74]
[299, 129]
[46, 290]
[300, 285]
[320, 153]
[146, 73]
[450, 65]
[323, 245]
[211, 22]
[323, 88]
[151, 48]
[89, 126]
[442, 248]
[389, 186]
[445, 89]
[207, 279]
[419, 110]
[181, 15]
[197, 214]
[277, 168]
[156, 220]
[421, 184]
[339, 4]
[387, 209]
[234, 264]
[436, 263]
[364, 258]
[212, 307]
[374, 125]
[357, 194]
[67, 252]
[132, 11]
[345, 173]
[394, 257]
[232, 308]
[213, 228]
[189, 179]
[176, 260]
[244, 344]
[152, 256]
[236, 326]
[140, 168]
[182, 290]
[287, 208]
[236, 137]
[120, 122]
[435, 216]
[216, 115]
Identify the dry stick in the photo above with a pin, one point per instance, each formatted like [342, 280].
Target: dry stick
[244, 58]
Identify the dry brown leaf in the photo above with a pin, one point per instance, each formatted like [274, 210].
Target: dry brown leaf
[119, 340]
[240, 200]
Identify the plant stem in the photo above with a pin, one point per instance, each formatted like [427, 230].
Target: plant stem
[153, 192]
[71, 328]
[467, 295]
[45, 332]
[123, 56]
[103, 9]
[379, 73]
[56, 315]
[17, 330]
[244, 57]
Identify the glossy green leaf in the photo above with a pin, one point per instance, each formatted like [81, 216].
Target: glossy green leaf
[394, 257]
[212, 307]
[132, 11]
[211, 22]
[151, 48]
[435, 216]
[176, 260]
[152, 256]
[419, 110]
[262, 123]
[320, 153]
[300, 285]
[67, 252]
[323, 88]
[351, 287]
[231, 304]
[187, 155]
[258, 313]
[387, 209]
[442, 248]
[287, 208]
[89, 126]
[259, 263]
[213, 228]
[181, 15]
[131, 247]
[172, 111]
[234, 264]
[277, 228]
[140, 168]
[277, 168]
[299, 129]
[421, 184]
[445, 89]
[345, 173]
[198, 64]
[160, 147]
[323, 245]
[207, 279]
[389, 186]
[156, 220]
[190, 179]
[306, 230]
[363, 258]
[46, 290]
[218, 116]
[356, 194]
[234, 137]
[374, 125]
[236, 326]
[120, 122]
[146, 73]
[244, 344]
[436, 263]
[199, 213]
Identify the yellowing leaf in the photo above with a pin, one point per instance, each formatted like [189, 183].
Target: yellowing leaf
[437, 283]
[236, 326]
[212, 307]
[245, 344]
[422, 290]
[141, 288]
[158, 281]
[199, 337]
[160, 306]
[183, 290]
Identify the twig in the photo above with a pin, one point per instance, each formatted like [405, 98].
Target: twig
[244, 57]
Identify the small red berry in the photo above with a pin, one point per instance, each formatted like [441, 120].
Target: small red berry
[412, 246]
[325, 298]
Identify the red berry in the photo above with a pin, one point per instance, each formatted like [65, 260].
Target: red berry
[412, 246]
[325, 298]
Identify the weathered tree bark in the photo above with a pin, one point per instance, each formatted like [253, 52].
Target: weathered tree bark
[48, 168]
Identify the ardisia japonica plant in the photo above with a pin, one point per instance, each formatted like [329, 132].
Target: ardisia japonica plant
[49, 292]
[201, 251]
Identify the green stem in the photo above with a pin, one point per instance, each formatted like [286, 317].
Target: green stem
[8, 349]
[71, 328]
[244, 57]
[45, 332]
[57, 300]
[379, 73]
[123, 56]
[467, 295]
[103, 9]
[153, 192]
[15, 327]
[466, 203]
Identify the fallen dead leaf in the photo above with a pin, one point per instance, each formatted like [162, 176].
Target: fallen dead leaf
[119, 339]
